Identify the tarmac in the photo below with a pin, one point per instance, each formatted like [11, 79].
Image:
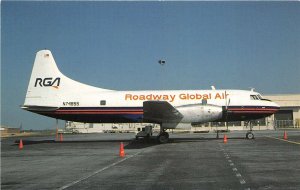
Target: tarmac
[188, 161]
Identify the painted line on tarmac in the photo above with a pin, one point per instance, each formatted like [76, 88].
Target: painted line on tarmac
[234, 169]
[96, 172]
[293, 142]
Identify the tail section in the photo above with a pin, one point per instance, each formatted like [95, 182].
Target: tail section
[48, 85]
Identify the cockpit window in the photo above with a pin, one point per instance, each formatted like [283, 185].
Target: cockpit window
[252, 97]
[259, 96]
[255, 97]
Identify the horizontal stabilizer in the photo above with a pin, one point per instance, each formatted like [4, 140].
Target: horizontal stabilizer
[39, 108]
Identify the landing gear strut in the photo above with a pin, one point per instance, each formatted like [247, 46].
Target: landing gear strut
[249, 134]
[163, 136]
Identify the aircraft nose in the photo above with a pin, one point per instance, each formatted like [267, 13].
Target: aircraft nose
[276, 107]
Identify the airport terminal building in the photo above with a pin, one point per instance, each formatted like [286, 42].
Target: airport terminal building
[289, 113]
[287, 117]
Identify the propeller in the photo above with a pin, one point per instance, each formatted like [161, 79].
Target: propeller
[225, 112]
[227, 103]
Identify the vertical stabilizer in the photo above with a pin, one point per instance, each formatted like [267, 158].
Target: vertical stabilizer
[48, 85]
[44, 82]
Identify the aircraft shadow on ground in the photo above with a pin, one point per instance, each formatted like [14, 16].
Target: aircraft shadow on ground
[129, 143]
[132, 143]
[31, 142]
[143, 143]
[186, 140]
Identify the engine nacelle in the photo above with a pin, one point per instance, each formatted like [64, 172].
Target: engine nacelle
[200, 113]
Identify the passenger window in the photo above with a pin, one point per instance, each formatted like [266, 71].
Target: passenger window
[103, 102]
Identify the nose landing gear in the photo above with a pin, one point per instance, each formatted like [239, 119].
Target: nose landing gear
[249, 134]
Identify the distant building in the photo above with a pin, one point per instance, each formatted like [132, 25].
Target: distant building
[289, 113]
[76, 127]
[8, 131]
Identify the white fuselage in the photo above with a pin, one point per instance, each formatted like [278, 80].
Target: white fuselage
[53, 94]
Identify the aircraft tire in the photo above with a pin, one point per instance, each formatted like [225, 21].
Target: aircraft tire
[250, 135]
[163, 138]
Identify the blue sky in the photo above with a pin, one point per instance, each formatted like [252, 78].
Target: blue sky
[116, 45]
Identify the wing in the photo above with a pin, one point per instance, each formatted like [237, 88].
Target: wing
[160, 112]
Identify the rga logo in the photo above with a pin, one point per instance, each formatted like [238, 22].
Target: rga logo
[47, 82]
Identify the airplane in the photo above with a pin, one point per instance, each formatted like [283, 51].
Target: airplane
[52, 94]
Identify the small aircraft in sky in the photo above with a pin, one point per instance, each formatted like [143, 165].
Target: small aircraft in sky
[52, 94]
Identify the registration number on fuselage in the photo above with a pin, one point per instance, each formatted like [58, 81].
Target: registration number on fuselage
[71, 103]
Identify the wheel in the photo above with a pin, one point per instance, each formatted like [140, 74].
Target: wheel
[163, 137]
[250, 135]
[167, 134]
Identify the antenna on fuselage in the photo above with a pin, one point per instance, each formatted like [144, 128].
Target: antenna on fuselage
[252, 89]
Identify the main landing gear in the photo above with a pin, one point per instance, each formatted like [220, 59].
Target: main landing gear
[146, 133]
[249, 134]
[163, 136]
